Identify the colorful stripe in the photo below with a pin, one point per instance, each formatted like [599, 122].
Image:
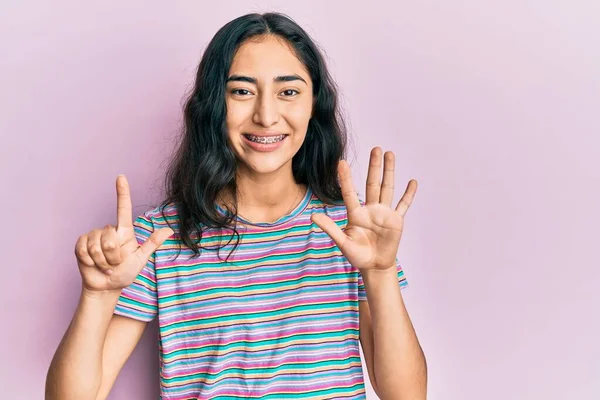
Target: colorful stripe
[278, 320]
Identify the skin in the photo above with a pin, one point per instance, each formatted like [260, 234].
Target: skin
[395, 361]
[370, 241]
[266, 105]
[98, 343]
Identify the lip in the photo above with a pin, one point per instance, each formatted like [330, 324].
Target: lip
[265, 133]
[264, 147]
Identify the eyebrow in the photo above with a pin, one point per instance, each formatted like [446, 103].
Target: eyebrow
[277, 79]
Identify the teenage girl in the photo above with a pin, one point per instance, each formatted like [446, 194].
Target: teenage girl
[262, 265]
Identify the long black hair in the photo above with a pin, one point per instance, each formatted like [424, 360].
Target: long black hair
[204, 164]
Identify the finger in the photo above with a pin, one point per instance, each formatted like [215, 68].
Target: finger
[155, 240]
[387, 186]
[124, 207]
[94, 248]
[407, 198]
[374, 177]
[330, 228]
[81, 251]
[348, 192]
[110, 245]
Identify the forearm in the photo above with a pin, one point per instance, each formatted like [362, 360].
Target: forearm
[399, 363]
[76, 369]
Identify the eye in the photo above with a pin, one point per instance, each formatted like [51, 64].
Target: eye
[240, 92]
[290, 92]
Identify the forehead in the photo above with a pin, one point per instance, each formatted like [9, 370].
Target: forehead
[266, 57]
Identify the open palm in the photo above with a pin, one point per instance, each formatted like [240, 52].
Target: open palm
[372, 236]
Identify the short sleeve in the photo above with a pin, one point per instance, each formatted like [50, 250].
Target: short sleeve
[139, 300]
[402, 282]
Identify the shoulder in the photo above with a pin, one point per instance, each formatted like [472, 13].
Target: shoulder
[336, 210]
[159, 217]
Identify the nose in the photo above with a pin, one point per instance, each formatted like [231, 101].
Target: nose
[266, 112]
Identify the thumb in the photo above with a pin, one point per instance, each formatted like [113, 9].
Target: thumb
[330, 228]
[155, 240]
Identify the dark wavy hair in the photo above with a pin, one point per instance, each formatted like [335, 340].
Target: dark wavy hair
[203, 163]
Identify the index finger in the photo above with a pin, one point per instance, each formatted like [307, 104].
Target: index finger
[348, 193]
[124, 207]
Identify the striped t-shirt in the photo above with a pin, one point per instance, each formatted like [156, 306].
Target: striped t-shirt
[279, 319]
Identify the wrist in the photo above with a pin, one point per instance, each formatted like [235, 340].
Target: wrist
[100, 295]
[380, 275]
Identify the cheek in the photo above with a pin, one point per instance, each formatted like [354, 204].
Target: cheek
[232, 124]
[299, 114]
[237, 113]
[231, 115]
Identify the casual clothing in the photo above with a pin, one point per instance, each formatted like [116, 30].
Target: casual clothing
[278, 319]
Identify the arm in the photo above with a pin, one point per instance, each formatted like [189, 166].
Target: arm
[395, 361]
[370, 241]
[93, 349]
[97, 342]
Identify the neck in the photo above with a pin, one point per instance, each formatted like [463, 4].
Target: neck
[266, 197]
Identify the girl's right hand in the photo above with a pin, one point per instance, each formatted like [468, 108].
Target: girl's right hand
[110, 259]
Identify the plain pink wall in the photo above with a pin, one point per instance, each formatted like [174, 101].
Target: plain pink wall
[492, 106]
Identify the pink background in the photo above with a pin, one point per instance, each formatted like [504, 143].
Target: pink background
[494, 108]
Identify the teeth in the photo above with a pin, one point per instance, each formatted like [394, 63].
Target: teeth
[265, 139]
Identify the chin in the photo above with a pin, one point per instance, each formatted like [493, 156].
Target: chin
[265, 165]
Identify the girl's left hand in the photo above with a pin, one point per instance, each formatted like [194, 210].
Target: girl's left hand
[372, 235]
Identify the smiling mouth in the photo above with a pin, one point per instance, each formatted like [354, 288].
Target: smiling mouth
[265, 139]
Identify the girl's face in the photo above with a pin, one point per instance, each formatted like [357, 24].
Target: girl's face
[269, 103]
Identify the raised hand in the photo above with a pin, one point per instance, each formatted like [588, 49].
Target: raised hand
[110, 258]
[372, 235]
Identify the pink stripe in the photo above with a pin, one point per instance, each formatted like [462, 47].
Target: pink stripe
[220, 342]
